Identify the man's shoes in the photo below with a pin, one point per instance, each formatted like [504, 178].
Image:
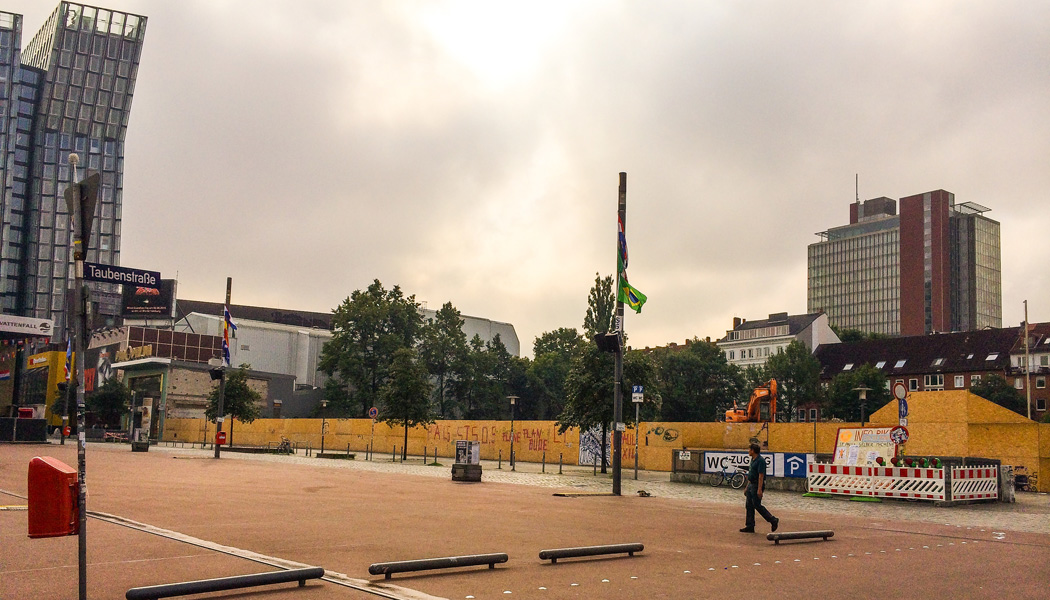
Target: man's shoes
[747, 530]
[776, 523]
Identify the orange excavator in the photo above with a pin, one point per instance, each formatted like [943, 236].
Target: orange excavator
[761, 408]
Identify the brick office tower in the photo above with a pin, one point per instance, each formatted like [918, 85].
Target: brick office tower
[69, 91]
[935, 267]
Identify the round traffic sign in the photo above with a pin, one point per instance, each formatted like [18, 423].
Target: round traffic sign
[373, 412]
[899, 435]
[900, 391]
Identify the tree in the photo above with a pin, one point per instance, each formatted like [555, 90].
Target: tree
[239, 400]
[589, 389]
[844, 403]
[553, 352]
[696, 382]
[601, 306]
[995, 388]
[443, 350]
[797, 373]
[856, 335]
[473, 384]
[367, 329]
[405, 394]
[110, 401]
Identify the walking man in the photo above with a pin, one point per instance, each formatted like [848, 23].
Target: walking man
[756, 484]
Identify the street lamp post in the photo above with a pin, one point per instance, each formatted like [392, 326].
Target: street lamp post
[863, 391]
[324, 422]
[513, 401]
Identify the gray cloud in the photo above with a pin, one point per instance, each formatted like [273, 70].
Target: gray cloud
[306, 148]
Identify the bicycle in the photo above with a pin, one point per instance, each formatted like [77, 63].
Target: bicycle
[1023, 481]
[736, 480]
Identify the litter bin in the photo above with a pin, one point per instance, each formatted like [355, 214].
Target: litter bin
[468, 461]
[25, 413]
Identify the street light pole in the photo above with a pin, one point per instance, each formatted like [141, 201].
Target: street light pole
[863, 391]
[324, 422]
[513, 400]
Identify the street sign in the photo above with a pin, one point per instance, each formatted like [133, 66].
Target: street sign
[123, 275]
[904, 422]
[899, 435]
[900, 391]
[373, 412]
[902, 408]
[621, 426]
[636, 394]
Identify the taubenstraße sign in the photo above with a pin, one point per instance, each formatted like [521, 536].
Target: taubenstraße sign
[26, 325]
[111, 274]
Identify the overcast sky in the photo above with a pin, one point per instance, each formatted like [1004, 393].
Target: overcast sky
[469, 151]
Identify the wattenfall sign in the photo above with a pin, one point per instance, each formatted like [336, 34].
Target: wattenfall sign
[122, 275]
[27, 326]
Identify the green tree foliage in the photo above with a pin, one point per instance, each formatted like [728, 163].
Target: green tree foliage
[239, 400]
[368, 328]
[601, 306]
[995, 388]
[553, 352]
[696, 382]
[844, 403]
[797, 373]
[589, 388]
[109, 402]
[443, 350]
[405, 395]
[473, 386]
[856, 335]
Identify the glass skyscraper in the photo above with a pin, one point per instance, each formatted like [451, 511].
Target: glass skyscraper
[935, 267]
[69, 90]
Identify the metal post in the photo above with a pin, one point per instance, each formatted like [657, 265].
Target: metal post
[636, 429]
[80, 232]
[544, 461]
[393, 454]
[621, 212]
[513, 401]
[500, 464]
[324, 422]
[1027, 364]
[222, 380]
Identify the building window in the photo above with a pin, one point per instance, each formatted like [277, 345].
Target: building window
[938, 362]
[880, 364]
[847, 366]
[974, 380]
[1044, 360]
[913, 385]
[813, 414]
[1040, 403]
[1040, 382]
[933, 382]
[1018, 383]
[960, 381]
[992, 356]
[802, 415]
[732, 355]
[900, 363]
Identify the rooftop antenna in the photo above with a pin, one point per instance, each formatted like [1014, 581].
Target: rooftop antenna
[856, 185]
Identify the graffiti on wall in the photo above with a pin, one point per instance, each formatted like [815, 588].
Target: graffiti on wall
[529, 437]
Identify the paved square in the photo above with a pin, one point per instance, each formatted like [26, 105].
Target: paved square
[257, 513]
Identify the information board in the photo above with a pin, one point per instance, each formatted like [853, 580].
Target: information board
[861, 446]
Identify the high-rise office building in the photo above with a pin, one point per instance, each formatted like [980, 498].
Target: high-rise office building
[69, 91]
[935, 267]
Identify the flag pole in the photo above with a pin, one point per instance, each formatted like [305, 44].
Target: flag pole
[222, 380]
[621, 213]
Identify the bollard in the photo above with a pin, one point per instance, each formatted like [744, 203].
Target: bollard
[348, 448]
[559, 463]
[393, 454]
[424, 455]
[544, 470]
[500, 465]
[595, 465]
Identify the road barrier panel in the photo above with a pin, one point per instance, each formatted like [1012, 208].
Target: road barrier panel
[975, 483]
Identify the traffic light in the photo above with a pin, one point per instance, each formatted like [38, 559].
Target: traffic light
[80, 200]
[608, 342]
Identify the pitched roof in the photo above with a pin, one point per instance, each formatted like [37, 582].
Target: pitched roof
[297, 318]
[795, 323]
[966, 351]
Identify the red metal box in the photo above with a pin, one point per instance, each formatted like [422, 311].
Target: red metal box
[53, 495]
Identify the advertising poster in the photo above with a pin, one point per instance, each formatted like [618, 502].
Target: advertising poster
[143, 301]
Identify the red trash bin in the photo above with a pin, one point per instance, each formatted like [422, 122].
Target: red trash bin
[25, 413]
[53, 496]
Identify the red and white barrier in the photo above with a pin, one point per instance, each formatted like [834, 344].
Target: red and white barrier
[975, 483]
[883, 482]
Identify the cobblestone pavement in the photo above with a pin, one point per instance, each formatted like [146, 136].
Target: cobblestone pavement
[1031, 512]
